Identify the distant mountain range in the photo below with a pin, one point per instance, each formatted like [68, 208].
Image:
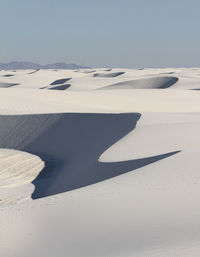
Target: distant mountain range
[36, 66]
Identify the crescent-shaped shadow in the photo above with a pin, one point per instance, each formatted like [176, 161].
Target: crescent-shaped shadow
[71, 144]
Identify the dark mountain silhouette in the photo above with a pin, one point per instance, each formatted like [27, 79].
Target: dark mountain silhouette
[16, 65]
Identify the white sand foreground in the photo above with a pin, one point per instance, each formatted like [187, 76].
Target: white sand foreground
[120, 149]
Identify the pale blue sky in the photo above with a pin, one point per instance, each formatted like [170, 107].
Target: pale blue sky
[101, 33]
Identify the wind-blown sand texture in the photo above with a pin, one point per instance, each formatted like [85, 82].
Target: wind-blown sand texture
[100, 162]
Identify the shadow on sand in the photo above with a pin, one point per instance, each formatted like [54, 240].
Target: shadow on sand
[71, 144]
[60, 81]
[60, 87]
[147, 83]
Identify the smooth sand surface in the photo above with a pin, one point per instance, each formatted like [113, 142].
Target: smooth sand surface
[98, 173]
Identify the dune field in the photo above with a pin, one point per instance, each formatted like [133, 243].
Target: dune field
[100, 163]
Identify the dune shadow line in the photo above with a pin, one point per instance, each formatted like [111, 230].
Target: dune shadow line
[71, 144]
[60, 81]
[60, 87]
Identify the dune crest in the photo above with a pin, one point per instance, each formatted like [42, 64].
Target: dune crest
[108, 75]
[6, 84]
[60, 87]
[55, 138]
[59, 81]
[148, 83]
[17, 170]
[18, 167]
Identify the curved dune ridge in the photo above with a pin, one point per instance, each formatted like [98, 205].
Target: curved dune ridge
[70, 144]
[149, 83]
[88, 71]
[6, 84]
[170, 73]
[17, 167]
[59, 87]
[59, 81]
[108, 75]
[32, 72]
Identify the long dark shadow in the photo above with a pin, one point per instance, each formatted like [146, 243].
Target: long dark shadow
[60, 81]
[108, 75]
[71, 144]
[32, 72]
[60, 87]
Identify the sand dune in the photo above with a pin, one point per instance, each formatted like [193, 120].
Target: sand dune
[8, 75]
[108, 75]
[17, 170]
[60, 81]
[88, 71]
[51, 137]
[84, 81]
[5, 84]
[170, 73]
[114, 172]
[17, 167]
[60, 87]
[150, 83]
[34, 71]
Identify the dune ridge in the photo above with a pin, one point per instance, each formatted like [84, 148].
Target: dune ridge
[108, 75]
[60, 87]
[17, 167]
[148, 83]
[55, 138]
[59, 81]
[6, 84]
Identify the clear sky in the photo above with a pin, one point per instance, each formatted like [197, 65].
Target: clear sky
[101, 33]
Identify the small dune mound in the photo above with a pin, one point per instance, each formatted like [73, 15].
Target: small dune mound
[108, 75]
[6, 85]
[108, 70]
[170, 73]
[8, 75]
[17, 167]
[60, 87]
[149, 83]
[89, 71]
[60, 81]
[34, 71]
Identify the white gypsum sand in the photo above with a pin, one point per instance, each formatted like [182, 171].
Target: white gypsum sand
[100, 162]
